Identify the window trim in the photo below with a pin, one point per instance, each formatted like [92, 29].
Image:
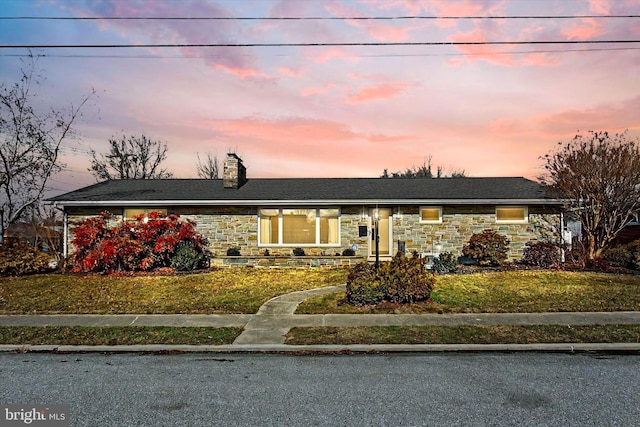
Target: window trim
[525, 220]
[317, 243]
[430, 221]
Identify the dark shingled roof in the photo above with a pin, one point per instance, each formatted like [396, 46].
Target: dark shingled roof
[343, 190]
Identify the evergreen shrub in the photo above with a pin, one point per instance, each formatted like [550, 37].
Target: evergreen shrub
[18, 258]
[445, 263]
[626, 256]
[402, 280]
[187, 257]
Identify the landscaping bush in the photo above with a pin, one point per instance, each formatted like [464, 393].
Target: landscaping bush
[18, 258]
[363, 285]
[540, 254]
[233, 252]
[626, 256]
[406, 280]
[187, 257]
[597, 264]
[487, 248]
[445, 263]
[139, 244]
[348, 252]
[298, 252]
[402, 280]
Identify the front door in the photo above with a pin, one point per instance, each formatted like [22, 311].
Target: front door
[385, 224]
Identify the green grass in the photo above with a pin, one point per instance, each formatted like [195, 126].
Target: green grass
[509, 334]
[508, 292]
[234, 290]
[82, 335]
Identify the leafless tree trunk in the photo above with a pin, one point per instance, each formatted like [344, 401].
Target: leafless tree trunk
[29, 145]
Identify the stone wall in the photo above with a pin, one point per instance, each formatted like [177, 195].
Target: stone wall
[459, 223]
[237, 227]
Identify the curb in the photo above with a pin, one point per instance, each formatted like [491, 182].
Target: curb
[329, 349]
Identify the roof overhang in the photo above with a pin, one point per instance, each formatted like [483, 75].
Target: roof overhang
[310, 202]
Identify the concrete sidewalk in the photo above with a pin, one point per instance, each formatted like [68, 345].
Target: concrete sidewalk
[267, 329]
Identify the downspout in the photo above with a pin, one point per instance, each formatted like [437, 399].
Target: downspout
[65, 235]
[65, 230]
[562, 254]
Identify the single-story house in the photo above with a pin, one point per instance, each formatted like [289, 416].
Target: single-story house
[268, 218]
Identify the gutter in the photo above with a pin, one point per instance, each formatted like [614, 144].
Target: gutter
[311, 202]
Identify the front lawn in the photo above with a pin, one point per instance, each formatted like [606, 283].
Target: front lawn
[235, 290]
[508, 292]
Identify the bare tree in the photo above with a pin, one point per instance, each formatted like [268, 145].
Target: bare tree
[209, 168]
[599, 175]
[424, 171]
[29, 145]
[130, 157]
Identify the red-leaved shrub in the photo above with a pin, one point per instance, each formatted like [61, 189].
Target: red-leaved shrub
[141, 244]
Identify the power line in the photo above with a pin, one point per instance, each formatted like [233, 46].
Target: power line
[201, 45]
[302, 18]
[519, 52]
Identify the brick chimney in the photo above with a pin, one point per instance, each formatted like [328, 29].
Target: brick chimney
[234, 174]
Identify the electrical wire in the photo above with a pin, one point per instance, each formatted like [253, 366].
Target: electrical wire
[302, 18]
[329, 44]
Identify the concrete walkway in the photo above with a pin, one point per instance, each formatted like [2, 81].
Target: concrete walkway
[267, 329]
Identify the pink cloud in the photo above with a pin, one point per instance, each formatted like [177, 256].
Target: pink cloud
[584, 30]
[376, 30]
[265, 140]
[382, 32]
[464, 7]
[321, 56]
[488, 53]
[377, 92]
[317, 90]
[609, 117]
[602, 7]
[236, 61]
[290, 72]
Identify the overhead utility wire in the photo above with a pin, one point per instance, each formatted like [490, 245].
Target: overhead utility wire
[181, 45]
[520, 52]
[300, 18]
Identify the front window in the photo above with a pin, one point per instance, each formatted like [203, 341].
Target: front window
[299, 227]
[431, 215]
[512, 214]
[132, 213]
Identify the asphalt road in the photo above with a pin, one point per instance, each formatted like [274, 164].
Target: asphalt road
[473, 389]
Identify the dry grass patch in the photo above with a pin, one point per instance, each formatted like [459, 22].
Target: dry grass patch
[509, 334]
[138, 335]
[233, 290]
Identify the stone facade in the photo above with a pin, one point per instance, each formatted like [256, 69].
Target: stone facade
[459, 223]
[237, 227]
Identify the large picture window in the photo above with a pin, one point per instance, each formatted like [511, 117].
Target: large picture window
[299, 227]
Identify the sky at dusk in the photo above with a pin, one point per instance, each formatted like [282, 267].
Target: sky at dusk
[333, 111]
